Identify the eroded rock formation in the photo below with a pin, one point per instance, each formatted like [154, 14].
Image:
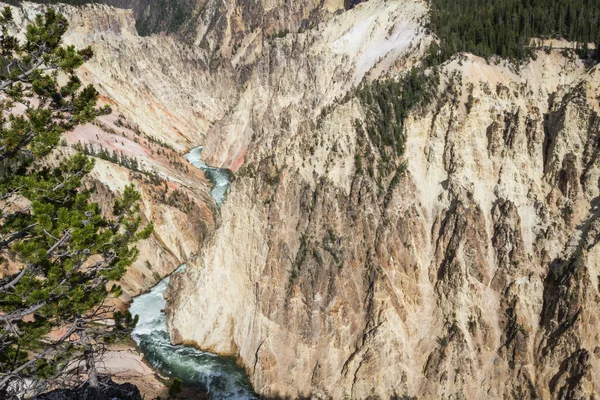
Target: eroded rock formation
[475, 275]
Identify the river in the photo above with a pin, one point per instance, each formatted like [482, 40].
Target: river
[220, 376]
[218, 176]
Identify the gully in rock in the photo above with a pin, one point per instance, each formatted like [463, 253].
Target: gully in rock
[220, 376]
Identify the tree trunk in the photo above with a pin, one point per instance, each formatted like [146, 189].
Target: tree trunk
[90, 364]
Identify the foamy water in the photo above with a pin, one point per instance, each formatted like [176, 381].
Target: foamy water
[218, 176]
[220, 376]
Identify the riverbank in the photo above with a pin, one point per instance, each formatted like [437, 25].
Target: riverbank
[124, 363]
[220, 377]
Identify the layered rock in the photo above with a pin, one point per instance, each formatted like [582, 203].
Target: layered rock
[175, 197]
[474, 275]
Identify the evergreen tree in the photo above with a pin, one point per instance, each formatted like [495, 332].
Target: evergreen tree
[67, 249]
[505, 27]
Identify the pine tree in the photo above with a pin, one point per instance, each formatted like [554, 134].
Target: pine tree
[505, 27]
[68, 250]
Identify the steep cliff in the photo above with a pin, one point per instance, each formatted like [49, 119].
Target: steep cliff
[175, 196]
[472, 274]
[145, 127]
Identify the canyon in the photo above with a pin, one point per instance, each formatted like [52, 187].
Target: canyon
[466, 267]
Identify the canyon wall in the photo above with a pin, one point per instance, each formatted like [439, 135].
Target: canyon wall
[472, 274]
[151, 124]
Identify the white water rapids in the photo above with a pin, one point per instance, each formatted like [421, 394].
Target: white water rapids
[220, 376]
[218, 176]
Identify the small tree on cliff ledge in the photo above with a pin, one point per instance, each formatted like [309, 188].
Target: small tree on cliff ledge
[52, 313]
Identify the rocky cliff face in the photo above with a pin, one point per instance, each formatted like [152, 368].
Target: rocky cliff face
[140, 129]
[466, 268]
[473, 274]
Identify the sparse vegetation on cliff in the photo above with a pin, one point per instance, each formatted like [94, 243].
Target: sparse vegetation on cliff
[65, 247]
[114, 157]
[387, 103]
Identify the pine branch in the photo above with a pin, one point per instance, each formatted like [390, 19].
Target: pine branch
[17, 235]
[6, 84]
[11, 284]
[27, 138]
[89, 356]
[17, 315]
[6, 377]
[64, 239]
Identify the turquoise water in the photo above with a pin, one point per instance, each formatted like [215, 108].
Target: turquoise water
[218, 176]
[220, 376]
